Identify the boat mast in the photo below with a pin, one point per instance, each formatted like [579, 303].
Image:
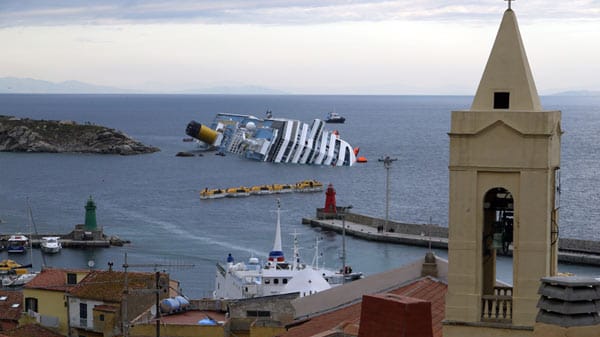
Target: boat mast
[276, 255]
[277, 243]
[32, 224]
[296, 263]
[315, 261]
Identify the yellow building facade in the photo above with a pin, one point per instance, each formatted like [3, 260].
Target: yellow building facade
[50, 304]
[504, 177]
[45, 297]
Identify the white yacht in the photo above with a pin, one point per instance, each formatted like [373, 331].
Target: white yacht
[50, 244]
[236, 280]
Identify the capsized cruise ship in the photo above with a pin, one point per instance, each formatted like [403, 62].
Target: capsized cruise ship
[277, 140]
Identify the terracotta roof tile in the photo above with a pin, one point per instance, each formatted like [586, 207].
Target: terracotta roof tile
[427, 289]
[30, 330]
[109, 285]
[7, 309]
[52, 279]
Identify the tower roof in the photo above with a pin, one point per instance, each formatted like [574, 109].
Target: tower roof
[507, 71]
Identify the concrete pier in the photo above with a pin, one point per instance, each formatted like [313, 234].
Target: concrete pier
[585, 252]
[79, 237]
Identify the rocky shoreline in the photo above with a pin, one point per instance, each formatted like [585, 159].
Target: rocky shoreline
[28, 135]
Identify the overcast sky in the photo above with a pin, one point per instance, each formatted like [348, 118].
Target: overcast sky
[316, 47]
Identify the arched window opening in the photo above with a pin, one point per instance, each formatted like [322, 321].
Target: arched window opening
[498, 228]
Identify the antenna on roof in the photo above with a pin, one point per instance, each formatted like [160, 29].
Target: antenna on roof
[126, 265]
[509, 2]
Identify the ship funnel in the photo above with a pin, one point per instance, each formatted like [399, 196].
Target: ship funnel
[201, 132]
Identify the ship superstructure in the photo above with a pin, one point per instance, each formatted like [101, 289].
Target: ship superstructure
[277, 140]
[277, 275]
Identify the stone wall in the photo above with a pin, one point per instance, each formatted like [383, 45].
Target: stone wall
[398, 227]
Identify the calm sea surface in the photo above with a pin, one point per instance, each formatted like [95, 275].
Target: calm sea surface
[153, 199]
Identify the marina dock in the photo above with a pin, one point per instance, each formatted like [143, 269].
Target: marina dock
[577, 251]
[77, 238]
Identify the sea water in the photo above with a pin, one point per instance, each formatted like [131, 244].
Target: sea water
[153, 199]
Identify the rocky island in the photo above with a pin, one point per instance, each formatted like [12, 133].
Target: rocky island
[28, 135]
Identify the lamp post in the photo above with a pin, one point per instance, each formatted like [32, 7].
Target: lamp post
[344, 210]
[387, 164]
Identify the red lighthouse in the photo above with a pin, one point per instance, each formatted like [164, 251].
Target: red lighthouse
[330, 200]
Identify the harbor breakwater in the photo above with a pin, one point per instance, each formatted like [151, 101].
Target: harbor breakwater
[79, 237]
[570, 250]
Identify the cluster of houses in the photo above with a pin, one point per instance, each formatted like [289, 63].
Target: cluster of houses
[107, 303]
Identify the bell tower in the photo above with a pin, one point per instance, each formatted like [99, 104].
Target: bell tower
[504, 178]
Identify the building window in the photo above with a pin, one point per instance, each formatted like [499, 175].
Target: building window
[267, 281]
[31, 303]
[71, 278]
[501, 100]
[258, 313]
[276, 281]
[83, 314]
[284, 281]
[101, 317]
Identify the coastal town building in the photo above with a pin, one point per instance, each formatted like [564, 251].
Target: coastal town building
[504, 185]
[187, 323]
[45, 297]
[104, 302]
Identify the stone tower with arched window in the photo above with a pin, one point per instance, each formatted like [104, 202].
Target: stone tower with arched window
[504, 176]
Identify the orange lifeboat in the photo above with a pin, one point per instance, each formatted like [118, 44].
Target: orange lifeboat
[361, 159]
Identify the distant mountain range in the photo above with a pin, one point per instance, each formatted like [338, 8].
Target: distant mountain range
[578, 93]
[14, 85]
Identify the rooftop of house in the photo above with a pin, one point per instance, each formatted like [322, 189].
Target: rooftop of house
[342, 296]
[191, 317]
[29, 330]
[11, 305]
[347, 319]
[109, 285]
[53, 279]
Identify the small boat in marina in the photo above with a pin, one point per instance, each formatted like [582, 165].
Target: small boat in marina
[50, 244]
[212, 194]
[14, 274]
[236, 192]
[334, 117]
[17, 244]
